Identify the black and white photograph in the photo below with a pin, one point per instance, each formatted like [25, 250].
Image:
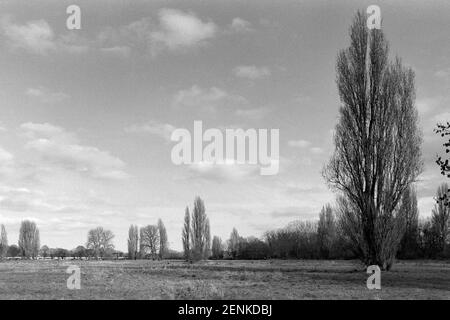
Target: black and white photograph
[233, 150]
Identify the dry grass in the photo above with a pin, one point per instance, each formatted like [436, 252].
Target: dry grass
[221, 280]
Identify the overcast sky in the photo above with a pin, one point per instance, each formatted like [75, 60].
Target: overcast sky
[86, 115]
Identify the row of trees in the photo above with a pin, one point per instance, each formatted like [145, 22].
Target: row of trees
[150, 241]
[336, 234]
[99, 244]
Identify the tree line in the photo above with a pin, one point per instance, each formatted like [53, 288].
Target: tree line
[333, 235]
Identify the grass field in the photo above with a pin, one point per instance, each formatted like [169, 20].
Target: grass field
[144, 279]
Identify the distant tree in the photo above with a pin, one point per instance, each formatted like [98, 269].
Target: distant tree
[440, 218]
[133, 242]
[163, 241]
[326, 232]
[79, 252]
[207, 250]
[252, 248]
[198, 235]
[297, 240]
[149, 241]
[60, 253]
[444, 164]
[100, 242]
[3, 242]
[377, 140]
[217, 248]
[44, 251]
[233, 244]
[185, 235]
[409, 246]
[29, 242]
[428, 239]
[13, 251]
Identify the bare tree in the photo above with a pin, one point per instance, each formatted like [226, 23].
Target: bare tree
[29, 242]
[198, 238]
[233, 243]
[207, 250]
[444, 164]
[133, 242]
[3, 242]
[326, 231]
[163, 241]
[185, 235]
[377, 141]
[44, 251]
[100, 241]
[440, 218]
[217, 248]
[149, 241]
[409, 246]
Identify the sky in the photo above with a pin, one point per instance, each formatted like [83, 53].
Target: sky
[86, 115]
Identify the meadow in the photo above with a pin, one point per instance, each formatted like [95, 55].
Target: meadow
[268, 279]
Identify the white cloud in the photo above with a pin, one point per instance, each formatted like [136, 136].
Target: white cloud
[316, 150]
[225, 171]
[122, 51]
[299, 143]
[178, 30]
[5, 156]
[38, 37]
[304, 144]
[443, 73]
[172, 30]
[211, 98]
[443, 117]
[46, 95]
[251, 72]
[58, 147]
[239, 25]
[163, 130]
[253, 114]
[425, 105]
[35, 36]
[6, 163]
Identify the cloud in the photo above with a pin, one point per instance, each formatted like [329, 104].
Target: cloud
[239, 25]
[46, 96]
[178, 30]
[225, 171]
[443, 73]
[35, 36]
[304, 144]
[5, 156]
[6, 163]
[443, 117]
[317, 150]
[425, 105]
[173, 31]
[58, 147]
[163, 130]
[299, 143]
[211, 98]
[122, 51]
[38, 37]
[307, 213]
[251, 72]
[253, 114]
